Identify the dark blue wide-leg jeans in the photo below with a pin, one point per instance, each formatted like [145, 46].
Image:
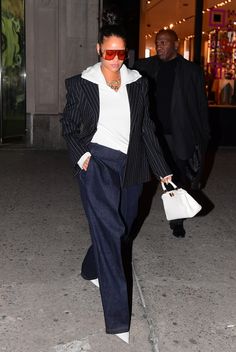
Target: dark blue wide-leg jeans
[110, 210]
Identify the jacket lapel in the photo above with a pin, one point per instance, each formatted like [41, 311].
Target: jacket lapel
[134, 96]
[155, 68]
[92, 94]
[176, 86]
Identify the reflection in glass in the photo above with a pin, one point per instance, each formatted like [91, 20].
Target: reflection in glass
[13, 68]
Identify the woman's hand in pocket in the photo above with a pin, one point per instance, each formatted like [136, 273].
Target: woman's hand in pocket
[86, 163]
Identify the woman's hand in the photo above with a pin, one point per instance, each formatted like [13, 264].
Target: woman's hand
[166, 179]
[86, 163]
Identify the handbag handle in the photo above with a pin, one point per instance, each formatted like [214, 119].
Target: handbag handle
[172, 184]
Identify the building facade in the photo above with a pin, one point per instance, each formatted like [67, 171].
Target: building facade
[61, 38]
[60, 41]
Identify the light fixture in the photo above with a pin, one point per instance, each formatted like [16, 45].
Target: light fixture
[220, 4]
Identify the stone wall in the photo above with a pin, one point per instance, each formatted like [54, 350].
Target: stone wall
[61, 38]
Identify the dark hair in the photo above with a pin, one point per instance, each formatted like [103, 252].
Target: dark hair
[170, 32]
[112, 25]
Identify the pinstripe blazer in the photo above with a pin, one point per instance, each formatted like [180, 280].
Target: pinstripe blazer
[79, 123]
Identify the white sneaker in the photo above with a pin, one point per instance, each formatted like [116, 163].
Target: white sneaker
[124, 336]
[95, 282]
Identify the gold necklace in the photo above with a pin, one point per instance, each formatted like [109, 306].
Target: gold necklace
[115, 84]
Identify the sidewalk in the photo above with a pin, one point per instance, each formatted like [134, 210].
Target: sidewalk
[184, 290]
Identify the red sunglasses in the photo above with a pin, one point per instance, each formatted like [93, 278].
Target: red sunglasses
[111, 54]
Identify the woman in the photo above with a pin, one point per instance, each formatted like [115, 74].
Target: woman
[112, 143]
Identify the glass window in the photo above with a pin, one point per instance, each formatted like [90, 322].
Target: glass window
[218, 46]
[12, 69]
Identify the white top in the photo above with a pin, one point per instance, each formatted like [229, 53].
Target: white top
[113, 128]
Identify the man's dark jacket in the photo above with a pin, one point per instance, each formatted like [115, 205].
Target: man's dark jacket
[189, 110]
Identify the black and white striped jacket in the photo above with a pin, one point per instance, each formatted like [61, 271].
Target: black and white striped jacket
[79, 123]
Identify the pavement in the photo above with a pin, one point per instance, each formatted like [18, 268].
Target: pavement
[184, 289]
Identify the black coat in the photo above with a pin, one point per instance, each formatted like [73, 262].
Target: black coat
[79, 123]
[189, 109]
[188, 115]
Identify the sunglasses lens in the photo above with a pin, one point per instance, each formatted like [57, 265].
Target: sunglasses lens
[121, 54]
[111, 54]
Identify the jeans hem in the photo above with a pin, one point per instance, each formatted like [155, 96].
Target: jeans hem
[117, 331]
[87, 278]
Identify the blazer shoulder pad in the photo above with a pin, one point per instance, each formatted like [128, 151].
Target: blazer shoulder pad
[73, 79]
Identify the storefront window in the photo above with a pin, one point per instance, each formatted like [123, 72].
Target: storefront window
[218, 42]
[220, 70]
[12, 59]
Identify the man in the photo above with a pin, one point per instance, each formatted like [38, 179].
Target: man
[179, 110]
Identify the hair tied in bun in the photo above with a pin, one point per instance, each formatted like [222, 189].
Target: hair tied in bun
[112, 25]
[111, 18]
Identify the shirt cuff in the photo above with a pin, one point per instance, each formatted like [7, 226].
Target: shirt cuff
[82, 159]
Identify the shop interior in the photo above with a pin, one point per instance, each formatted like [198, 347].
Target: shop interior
[218, 40]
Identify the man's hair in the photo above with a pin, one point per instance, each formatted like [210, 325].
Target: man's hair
[170, 32]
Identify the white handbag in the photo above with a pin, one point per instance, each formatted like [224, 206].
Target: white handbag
[178, 204]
